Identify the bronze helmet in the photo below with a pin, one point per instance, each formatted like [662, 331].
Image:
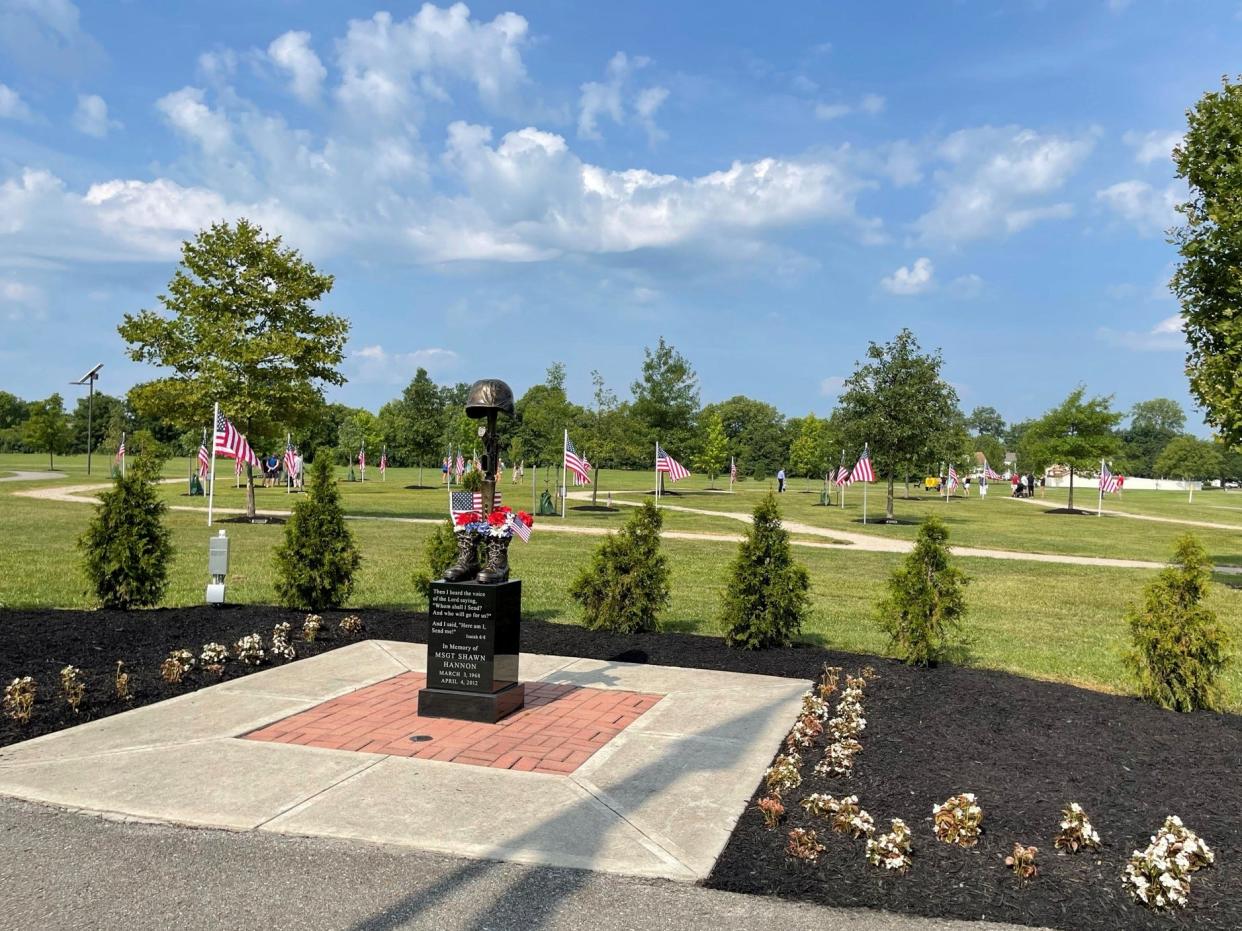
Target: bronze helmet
[489, 396]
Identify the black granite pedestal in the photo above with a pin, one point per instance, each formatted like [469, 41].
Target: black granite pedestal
[472, 652]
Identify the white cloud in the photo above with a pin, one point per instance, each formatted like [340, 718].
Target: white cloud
[1150, 210]
[872, 103]
[12, 107]
[91, 116]
[1149, 147]
[530, 198]
[831, 386]
[186, 111]
[966, 286]
[388, 66]
[1165, 336]
[993, 179]
[831, 111]
[377, 364]
[902, 164]
[292, 53]
[910, 280]
[650, 100]
[608, 99]
[45, 36]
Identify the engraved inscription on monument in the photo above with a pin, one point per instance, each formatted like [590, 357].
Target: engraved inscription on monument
[459, 643]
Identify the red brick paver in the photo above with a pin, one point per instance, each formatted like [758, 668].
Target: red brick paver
[557, 731]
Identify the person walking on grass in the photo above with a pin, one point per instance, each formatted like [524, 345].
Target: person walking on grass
[780, 480]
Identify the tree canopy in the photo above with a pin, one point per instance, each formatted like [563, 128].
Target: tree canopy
[1076, 433]
[239, 326]
[666, 398]
[898, 403]
[1210, 244]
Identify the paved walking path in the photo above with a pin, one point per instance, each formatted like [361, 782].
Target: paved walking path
[72, 870]
[19, 476]
[831, 538]
[878, 544]
[1043, 502]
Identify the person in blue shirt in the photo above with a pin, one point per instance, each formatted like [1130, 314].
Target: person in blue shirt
[780, 480]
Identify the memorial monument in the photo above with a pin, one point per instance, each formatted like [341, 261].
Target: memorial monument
[475, 611]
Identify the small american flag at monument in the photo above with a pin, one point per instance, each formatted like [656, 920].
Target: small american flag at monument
[576, 464]
[520, 530]
[862, 469]
[469, 502]
[666, 463]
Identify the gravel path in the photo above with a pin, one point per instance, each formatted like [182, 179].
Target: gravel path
[1041, 502]
[31, 476]
[69, 870]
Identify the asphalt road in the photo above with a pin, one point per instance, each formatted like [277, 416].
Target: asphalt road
[65, 870]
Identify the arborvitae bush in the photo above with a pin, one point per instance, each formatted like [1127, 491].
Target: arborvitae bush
[926, 602]
[625, 586]
[439, 552]
[472, 481]
[126, 547]
[1179, 648]
[765, 601]
[315, 565]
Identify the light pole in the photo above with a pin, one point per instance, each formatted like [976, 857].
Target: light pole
[89, 379]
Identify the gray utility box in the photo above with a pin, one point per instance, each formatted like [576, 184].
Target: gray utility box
[218, 556]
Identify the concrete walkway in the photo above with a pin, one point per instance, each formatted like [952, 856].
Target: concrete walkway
[72, 870]
[1043, 502]
[660, 799]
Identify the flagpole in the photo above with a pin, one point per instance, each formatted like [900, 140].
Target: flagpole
[211, 488]
[362, 466]
[1099, 508]
[732, 472]
[657, 472]
[564, 477]
[124, 453]
[841, 486]
[865, 484]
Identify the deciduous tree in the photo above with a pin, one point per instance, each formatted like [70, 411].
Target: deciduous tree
[1076, 433]
[47, 428]
[239, 326]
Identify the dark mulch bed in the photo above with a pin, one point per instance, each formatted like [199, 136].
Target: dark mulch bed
[1025, 748]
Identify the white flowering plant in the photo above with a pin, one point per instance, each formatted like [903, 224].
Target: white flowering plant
[1159, 876]
[214, 656]
[311, 627]
[958, 820]
[839, 758]
[72, 687]
[814, 706]
[352, 626]
[783, 775]
[249, 650]
[892, 850]
[19, 699]
[176, 665]
[803, 845]
[1076, 831]
[281, 645]
[804, 732]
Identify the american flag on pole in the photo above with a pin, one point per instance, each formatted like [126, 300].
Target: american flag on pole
[732, 469]
[952, 477]
[362, 458]
[204, 459]
[461, 465]
[862, 469]
[227, 440]
[520, 530]
[989, 473]
[469, 502]
[1109, 482]
[120, 450]
[245, 453]
[383, 466]
[291, 456]
[576, 464]
[842, 475]
[666, 463]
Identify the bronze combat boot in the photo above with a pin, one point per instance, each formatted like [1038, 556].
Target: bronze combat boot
[497, 568]
[467, 564]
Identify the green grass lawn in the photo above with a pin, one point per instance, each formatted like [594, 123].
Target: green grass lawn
[1049, 621]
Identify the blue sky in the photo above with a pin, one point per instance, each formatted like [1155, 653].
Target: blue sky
[498, 187]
